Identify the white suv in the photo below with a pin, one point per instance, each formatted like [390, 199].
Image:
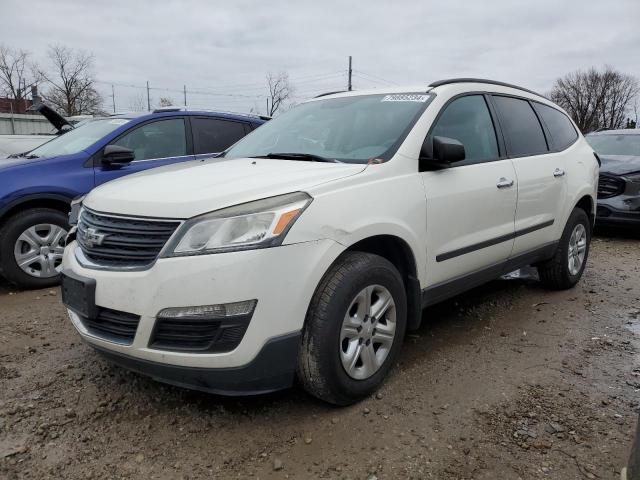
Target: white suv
[315, 243]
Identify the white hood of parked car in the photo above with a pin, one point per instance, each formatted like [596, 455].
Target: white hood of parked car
[188, 189]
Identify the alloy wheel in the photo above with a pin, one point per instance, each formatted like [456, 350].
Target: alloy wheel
[38, 250]
[367, 332]
[577, 248]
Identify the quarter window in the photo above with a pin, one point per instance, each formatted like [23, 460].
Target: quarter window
[467, 119]
[521, 127]
[562, 132]
[211, 135]
[161, 139]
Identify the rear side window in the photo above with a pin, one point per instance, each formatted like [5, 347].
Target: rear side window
[522, 129]
[467, 119]
[211, 135]
[562, 132]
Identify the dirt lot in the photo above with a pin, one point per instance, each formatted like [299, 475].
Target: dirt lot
[508, 381]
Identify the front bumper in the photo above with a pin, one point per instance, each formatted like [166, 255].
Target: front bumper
[608, 214]
[622, 209]
[282, 279]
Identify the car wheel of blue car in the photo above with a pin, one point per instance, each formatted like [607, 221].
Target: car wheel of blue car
[31, 247]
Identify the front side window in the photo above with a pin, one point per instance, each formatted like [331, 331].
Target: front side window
[521, 127]
[562, 132]
[615, 144]
[79, 138]
[352, 129]
[211, 135]
[467, 119]
[161, 139]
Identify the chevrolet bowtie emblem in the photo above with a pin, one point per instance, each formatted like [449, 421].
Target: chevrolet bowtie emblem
[94, 238]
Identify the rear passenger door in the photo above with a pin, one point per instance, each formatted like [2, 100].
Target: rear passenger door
[154, 144]
[213, 135]
[540, 172]
[471, 204]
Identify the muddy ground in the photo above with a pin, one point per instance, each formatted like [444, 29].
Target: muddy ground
[508, 381]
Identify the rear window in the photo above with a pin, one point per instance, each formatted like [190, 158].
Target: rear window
[562, 132]
[211, 135]
[522, 129]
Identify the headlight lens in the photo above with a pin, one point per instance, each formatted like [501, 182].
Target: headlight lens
[259, 224]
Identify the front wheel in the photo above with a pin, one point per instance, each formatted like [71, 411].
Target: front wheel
[565, 268]
[31, 247]
[354, 329]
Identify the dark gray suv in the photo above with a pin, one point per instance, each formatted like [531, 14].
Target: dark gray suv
[619, 186]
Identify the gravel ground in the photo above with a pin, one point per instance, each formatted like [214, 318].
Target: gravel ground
[508, 381]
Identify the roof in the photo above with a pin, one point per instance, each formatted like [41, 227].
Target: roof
[619, 131]
[173, 111]
[426, 88]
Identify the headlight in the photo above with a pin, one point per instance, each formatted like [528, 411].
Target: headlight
[76, 206]
[260, 224]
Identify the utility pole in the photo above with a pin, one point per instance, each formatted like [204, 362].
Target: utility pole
[184, 89]
[148, 99]
[267, 106]
[350, 71]
[113, 98]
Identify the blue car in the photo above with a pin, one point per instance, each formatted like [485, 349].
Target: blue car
[37, 187]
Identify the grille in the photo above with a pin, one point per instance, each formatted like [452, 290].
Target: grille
[202, 335]
[122, 242]
[113, 325]
[609, 186]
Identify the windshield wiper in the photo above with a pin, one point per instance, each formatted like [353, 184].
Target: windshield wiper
[31, 156]
[308, 157]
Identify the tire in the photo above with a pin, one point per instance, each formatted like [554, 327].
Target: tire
[342, 293]
[556, 273]
[49, 226]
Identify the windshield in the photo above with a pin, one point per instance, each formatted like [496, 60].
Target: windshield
[79, 138]
[348, 129]
[612, 144]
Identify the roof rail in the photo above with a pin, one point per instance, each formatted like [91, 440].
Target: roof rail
[170, 108]
[481, 80]
[329, 93]
[211, 110]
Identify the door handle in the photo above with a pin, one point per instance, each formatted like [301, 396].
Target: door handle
[504, 183]
[558, 172]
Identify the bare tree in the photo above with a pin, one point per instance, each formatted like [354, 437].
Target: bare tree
[165, 102]
[280, 90]
[596, 99]
[71, 82]
[138, 103]
[16, 72]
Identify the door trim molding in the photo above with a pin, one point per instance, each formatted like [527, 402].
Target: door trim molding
[492, 241]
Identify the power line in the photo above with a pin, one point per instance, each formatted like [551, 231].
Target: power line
[376, 77]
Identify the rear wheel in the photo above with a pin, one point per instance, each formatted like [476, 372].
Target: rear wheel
[31, 247]
[565, 268]
[354, 329]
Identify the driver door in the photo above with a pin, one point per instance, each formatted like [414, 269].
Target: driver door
[470, 205]
[155, 143]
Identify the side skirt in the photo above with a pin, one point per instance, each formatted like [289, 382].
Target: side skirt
[450, 288]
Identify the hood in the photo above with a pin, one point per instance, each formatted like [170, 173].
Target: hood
[185, 190]
[619, 164]
[6, 163]
[57, 120]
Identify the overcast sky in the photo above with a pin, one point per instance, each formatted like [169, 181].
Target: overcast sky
[224, 49]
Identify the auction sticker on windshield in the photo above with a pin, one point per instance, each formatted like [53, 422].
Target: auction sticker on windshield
[405, 97]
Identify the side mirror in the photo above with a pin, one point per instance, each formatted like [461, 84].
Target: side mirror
[440, 153]
[116, 155]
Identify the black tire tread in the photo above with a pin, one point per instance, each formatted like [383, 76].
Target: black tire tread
[308, 370]
[554, 273]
